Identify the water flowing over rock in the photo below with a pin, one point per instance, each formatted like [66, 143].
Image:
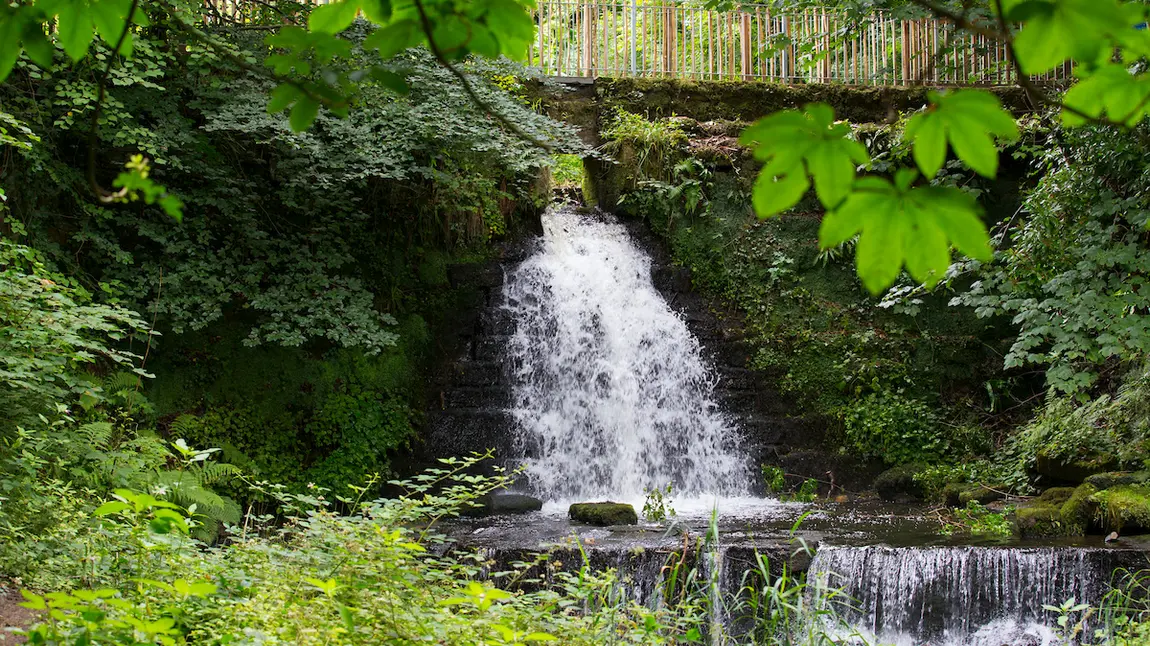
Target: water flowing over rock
[958, 595]
[610, 391]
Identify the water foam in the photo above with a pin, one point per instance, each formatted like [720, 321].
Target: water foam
[611, 393]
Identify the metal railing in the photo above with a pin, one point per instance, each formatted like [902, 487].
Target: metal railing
[757, 42]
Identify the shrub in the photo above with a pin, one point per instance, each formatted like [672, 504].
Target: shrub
[893, 428]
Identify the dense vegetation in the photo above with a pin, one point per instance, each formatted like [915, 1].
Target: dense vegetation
[210, 368]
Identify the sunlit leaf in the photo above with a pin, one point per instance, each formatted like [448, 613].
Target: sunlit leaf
[970, 120]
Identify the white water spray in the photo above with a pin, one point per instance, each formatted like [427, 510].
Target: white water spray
[611, 393]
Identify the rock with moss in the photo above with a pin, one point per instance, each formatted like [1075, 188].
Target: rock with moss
[1124, 508]
[603, 513]
[1042, 518]
[1079, 510]
[1115, 478]
[1057, 469]
[960, 494]
[1056, 495]
[899, 483]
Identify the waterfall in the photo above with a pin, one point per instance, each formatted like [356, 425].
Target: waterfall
[973, 596]
[610, 391]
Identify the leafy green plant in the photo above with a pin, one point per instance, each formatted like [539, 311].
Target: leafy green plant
[1063, 269]
[808, 491]
[648, 147]
[52, 332]
[891, 427]
[657, 504]
[774, 478]
[567, 171]
[978, 520]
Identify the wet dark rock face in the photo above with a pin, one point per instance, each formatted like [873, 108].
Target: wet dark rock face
[470, 393]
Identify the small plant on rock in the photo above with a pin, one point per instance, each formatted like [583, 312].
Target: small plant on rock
[657, 506]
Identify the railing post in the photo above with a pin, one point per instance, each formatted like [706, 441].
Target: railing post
[667, 35]
[634, 47]
[746, 47]
[588, 41]
[787, 53]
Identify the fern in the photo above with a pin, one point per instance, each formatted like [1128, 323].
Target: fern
[190, 488]
[185, 426]
[96, 434]
[123, 389]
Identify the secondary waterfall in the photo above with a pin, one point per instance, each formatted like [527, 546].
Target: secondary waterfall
[611, 393]
[969, 596]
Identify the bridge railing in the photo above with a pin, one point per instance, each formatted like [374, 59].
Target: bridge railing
[759, 42]
[660, 38]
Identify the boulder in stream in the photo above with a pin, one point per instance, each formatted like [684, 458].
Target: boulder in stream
[1071, 471]
[603, 513]
[961, 494]
[1044, 517]
[505, 503]
[898, 483]
[1115, 478]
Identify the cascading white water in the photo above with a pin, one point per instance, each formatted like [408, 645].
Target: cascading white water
[611, 393]
[968, 596]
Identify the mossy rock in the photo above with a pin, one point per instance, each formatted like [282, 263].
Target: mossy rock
[898, 483]
[1115, 478]
[1070, 471]
[1124, 508]
[1079, 510]
[1039, 521]
[603, 513]
[961, 494]
[1057, 495]
[504, 503]
[1058, 511]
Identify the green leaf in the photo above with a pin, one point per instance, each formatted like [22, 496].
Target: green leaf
[110, 16]
[970, 119]
[390, 80]
[512, 25]
[977, 151]
[1110, 90]
[9, 44]
[303, 113]
[899, 224]
[833, 173]
[113, 507]
[774, 195]
[1055, 31]
[394, 38]
[283, 96]
[75, 29]
[795, 144]
[37, 46]
[32, 601]
[333, 17]
[879, 254]
[451, 35]
[929, 136]
[377, 11]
